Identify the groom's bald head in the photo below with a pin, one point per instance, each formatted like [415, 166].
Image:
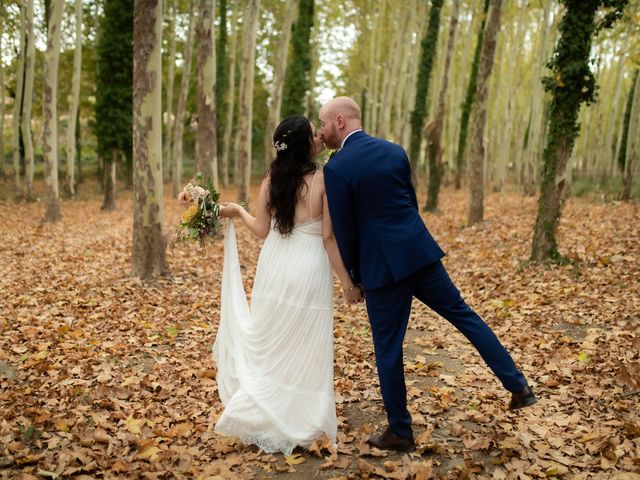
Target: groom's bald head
[338, 118]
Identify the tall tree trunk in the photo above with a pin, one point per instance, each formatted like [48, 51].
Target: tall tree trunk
[17, 101]
[376, 73]
[3, 165]
[610, 149]
[110, 184]
[27, 105]
[536, 127]
[278, 81]
[297, 73]
[434, 135]
[403, 77]
[70, 183]
[633, 143]
[149, 244]
[428, 55]
[624, 136]
[222, 76]
[477, 153]
[572, 83]
[392, 72]
[245, 118]
[171, 74]
[468, 102]
[182, 103]
[207, 159]
[50, 103]
[230, 104]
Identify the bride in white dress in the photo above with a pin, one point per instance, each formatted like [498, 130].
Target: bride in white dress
[275, 357]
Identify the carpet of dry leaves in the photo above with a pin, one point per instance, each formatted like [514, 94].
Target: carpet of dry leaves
[102, 376]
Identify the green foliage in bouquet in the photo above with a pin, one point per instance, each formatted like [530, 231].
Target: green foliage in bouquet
[201, 220]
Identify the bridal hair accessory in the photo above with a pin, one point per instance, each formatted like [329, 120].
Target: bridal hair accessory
[280, 146]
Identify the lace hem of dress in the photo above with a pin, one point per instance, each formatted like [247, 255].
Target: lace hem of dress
[268, 442]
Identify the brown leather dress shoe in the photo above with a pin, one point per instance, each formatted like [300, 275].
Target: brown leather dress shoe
[523, 398]
[388, 440]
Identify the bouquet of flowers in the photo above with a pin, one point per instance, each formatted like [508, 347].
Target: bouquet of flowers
[201, 220]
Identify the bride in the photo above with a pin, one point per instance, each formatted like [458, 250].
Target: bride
[275, 358]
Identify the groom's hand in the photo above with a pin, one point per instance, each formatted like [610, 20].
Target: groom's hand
[354, 294]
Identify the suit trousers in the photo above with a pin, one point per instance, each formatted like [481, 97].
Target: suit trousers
[389, 307]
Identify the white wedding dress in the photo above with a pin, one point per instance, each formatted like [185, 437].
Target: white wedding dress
[275, 358]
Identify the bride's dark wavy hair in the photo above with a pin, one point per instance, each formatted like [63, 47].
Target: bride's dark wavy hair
[289, 168]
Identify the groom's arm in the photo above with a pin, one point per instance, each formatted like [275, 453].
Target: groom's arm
[343, 220]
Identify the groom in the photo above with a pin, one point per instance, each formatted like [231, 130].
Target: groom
[389, 251]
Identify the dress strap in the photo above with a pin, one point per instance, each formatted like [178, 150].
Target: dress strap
[311, 192]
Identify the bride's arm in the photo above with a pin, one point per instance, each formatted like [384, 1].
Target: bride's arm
[352, 291]
[259, 224]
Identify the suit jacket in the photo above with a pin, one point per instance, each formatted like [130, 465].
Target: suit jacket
[374, 211]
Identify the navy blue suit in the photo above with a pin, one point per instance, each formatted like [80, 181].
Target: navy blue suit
[386, 247]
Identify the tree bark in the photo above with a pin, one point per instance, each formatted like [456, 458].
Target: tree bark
[477, 152]
[434, 136]
[149, 245]
[182, 104]
[536, 128]
[70, 183]
[278, 81]
[110, 185]
[171, 67]
[50, 101]
[468, 101]
[17, 101]
[3, 165]
[572, 83]
[427, 58]
[228, 125]
[632, 141]
[207, 159]
[246, 101]
[27, 104]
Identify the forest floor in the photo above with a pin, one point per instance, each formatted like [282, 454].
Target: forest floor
[102, 376]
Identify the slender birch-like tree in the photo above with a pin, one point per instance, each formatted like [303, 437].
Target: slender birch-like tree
[479, 115]
[3, 165]
[230, 103]
[633, 142]
[27, 103]
[70, 182]
[222, 76]
[171, 73]
[176, 154]
[207, 159]
[245, 119]
[148, 257]
[50, 104]
[278, 80]
[536, 120]
[19, 94]
[435, 130]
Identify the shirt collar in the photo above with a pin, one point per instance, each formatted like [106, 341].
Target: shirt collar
[350, 133]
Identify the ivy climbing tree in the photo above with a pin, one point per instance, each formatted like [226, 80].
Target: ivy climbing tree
[468, 99]
[427, 58]
[296, 81]
[114, 92]
[571, 84]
